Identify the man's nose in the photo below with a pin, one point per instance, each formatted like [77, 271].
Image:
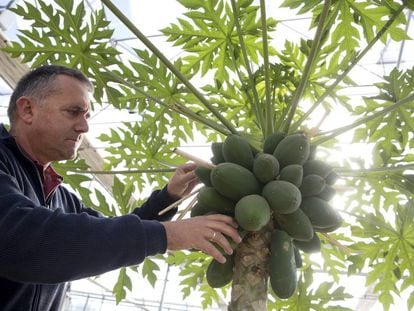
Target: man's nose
[83, 125]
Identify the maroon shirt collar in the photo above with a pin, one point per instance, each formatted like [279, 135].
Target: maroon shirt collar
[50, 179]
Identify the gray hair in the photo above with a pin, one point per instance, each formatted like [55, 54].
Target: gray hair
[39, 83]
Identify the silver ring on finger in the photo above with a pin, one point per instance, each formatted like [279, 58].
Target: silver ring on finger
[213, 236]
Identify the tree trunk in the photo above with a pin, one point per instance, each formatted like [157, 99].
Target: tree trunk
[249, 289]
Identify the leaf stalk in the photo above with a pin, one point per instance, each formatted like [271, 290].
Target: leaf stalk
[168, 64]
[309, 65]
[361, 121]
[343, 172]
[268, 106]
[348, 69]
[256, 100]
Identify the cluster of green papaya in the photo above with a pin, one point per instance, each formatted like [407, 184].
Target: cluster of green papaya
[284, 184]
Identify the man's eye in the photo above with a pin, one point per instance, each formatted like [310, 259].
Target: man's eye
[76, 112]
[73, 112]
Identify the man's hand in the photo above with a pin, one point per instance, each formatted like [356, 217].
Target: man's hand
[202, 233]
[183, 181]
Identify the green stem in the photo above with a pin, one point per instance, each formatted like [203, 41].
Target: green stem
[168, 64]
[177, 107]
[309, 65]
[256, 102]
[194, 116]
[361, 121]
[375, 170]
[356, 60]
[268, 106]
[121, 172]
[246, 86]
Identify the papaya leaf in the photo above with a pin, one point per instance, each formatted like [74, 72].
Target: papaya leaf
[149, 268]
[208, 37]
[122, 194]
[123, 282]
[80, 39]
[390, 132]
[390, 256]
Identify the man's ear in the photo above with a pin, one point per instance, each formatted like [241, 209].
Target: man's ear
[24, 109]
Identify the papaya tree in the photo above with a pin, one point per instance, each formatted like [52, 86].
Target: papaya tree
[233, 77]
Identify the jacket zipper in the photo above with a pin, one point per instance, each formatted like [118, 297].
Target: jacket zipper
[36, 299]
[49, 196]
[39, 179]
[35, 305]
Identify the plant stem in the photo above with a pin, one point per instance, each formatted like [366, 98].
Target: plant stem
[375, 170]
[168, 64]
[361, 121]
[122, 172]
[178, 108]
[268, 106]
[356, 60]
[309, 65]
[256, 101]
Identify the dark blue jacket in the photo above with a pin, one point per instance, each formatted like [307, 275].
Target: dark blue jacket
[45, 244]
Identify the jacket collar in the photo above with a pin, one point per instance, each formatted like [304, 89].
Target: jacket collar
[7, 139]
[4, 133]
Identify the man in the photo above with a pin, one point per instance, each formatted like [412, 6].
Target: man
[47, 236]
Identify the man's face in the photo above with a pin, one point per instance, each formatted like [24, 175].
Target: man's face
[60, 120]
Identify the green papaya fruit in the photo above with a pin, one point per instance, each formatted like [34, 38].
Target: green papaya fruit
[311, 246]
[217, 150]
[203, 173]
[234, 181]
[292, 173]
[252, 212]
[214, 201]
[265, 167]
[282, 265]
[327, 193]
[237, 150]
[283, 197]
[293, 149]
[328, 229]
[312, 185]
[320, 213]
[199, 210]
[316, 167]
[298, 258]
[218, 274]
[272, 141]
[332, 178]
[312, 152]
[296, 224]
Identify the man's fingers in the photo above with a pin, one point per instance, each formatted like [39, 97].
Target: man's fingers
[206, 233]
[211, 250]
[190, 166]
[188, 177]
[223, 219]
[222, 241]
[230, 232]
[223, 225]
